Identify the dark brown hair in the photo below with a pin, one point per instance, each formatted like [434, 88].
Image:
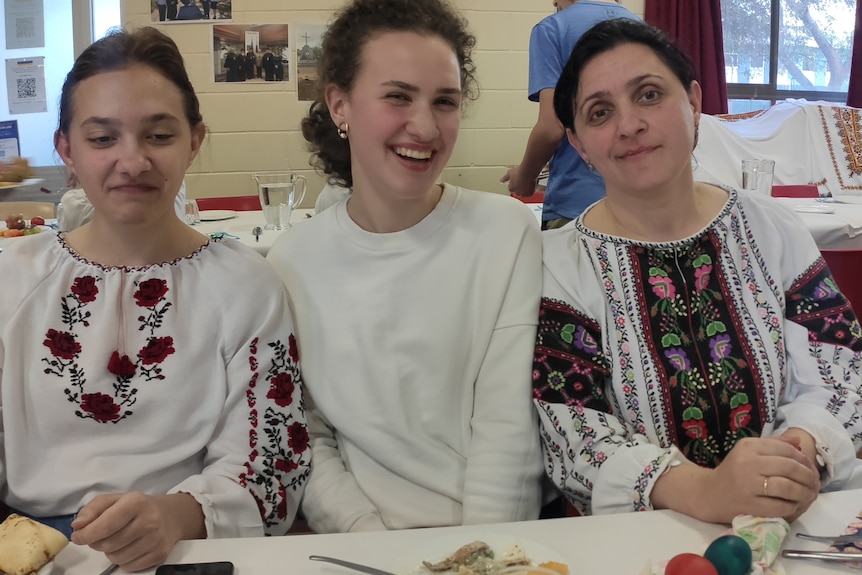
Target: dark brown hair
[604, 37]
[122, 49]
[353, 27]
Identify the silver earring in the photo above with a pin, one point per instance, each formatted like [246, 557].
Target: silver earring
[343, 128]
[591, 168]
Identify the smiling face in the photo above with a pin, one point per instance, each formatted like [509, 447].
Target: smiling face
[403, 113]
[129, 144]
[634, 120]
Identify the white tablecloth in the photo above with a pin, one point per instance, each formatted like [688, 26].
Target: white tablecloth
[617, 544]
[841, 230]
[244, 222]
[239, 226]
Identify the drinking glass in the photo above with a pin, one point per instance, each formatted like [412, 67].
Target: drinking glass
[757, 175]
[193, 214]
[279, 193]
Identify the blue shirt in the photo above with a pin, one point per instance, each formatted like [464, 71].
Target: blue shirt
[571, 187]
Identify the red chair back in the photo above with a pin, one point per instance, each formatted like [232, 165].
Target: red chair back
[846, 268]
[538, 197]
[236, 203]
[799, 191]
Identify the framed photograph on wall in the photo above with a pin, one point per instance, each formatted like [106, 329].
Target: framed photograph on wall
[307, 39]
[251, 53]
[190, 11]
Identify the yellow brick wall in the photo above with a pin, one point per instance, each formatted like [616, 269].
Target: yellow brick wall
[257, 128]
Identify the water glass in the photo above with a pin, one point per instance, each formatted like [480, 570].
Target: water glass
[193, 214]
[279, 193]
[757, 175]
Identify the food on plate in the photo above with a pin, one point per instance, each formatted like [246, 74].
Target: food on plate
[14, 222]
[14, 171]
[16, 226]
[560, 568]
[477, 558]
[26, 546]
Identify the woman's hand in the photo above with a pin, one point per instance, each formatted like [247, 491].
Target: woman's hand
[765, 477]
[138, 531]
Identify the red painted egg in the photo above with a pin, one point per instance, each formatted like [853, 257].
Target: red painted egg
[690, 564]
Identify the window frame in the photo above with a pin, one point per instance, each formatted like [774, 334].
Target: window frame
[770, 92]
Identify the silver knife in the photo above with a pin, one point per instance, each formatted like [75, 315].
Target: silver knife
[349, 565]
[822, 555]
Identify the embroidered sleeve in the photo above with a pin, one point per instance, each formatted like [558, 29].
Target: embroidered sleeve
[580, 434]
[824, 343]
[279, 459]
[258, 460]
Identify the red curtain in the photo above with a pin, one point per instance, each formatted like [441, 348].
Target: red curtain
[696, 27]
[854, 91]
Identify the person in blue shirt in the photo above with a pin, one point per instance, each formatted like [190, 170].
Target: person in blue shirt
[572, 186]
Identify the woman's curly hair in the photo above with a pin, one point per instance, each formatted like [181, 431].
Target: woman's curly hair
[353, 26]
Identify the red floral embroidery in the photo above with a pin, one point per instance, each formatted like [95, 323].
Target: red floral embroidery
[740, 417]
[281, 389]
[100, 406]
[150, 292]
[85, 289]
[62, 344]
[297, 435]
[292, 350]
[286, 465]
[113, 406]
[695, 428]
[121, 366]
[156, 350]
[277, 433]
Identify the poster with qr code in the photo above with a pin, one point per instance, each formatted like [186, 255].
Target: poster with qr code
[25, 24]
[25, 85]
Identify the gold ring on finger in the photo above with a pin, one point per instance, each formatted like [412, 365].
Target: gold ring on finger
[766, 487]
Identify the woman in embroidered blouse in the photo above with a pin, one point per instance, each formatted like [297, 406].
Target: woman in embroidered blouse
[146, 384]
[693, 350]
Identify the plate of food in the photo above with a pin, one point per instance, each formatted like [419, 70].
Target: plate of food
[216, 215]
[482, 554]
[22, 183]
[27, 546]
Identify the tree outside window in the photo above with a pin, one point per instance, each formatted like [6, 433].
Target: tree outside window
[777, 49]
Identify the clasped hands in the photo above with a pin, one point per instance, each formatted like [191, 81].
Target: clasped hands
[138, 531]
[765, 477]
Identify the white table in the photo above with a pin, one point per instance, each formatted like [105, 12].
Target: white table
[244, 222]
[619, 544]
[240, 227]
[841, 230]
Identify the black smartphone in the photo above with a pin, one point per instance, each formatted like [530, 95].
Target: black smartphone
[214, 568]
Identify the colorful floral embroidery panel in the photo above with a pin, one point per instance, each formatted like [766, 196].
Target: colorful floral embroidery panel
[698, 347]
[814, 302]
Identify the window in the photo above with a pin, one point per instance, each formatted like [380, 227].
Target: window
[62, 42]
[777, 49]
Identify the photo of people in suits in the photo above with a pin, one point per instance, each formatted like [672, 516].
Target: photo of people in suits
[251, 53]
[180, 11]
